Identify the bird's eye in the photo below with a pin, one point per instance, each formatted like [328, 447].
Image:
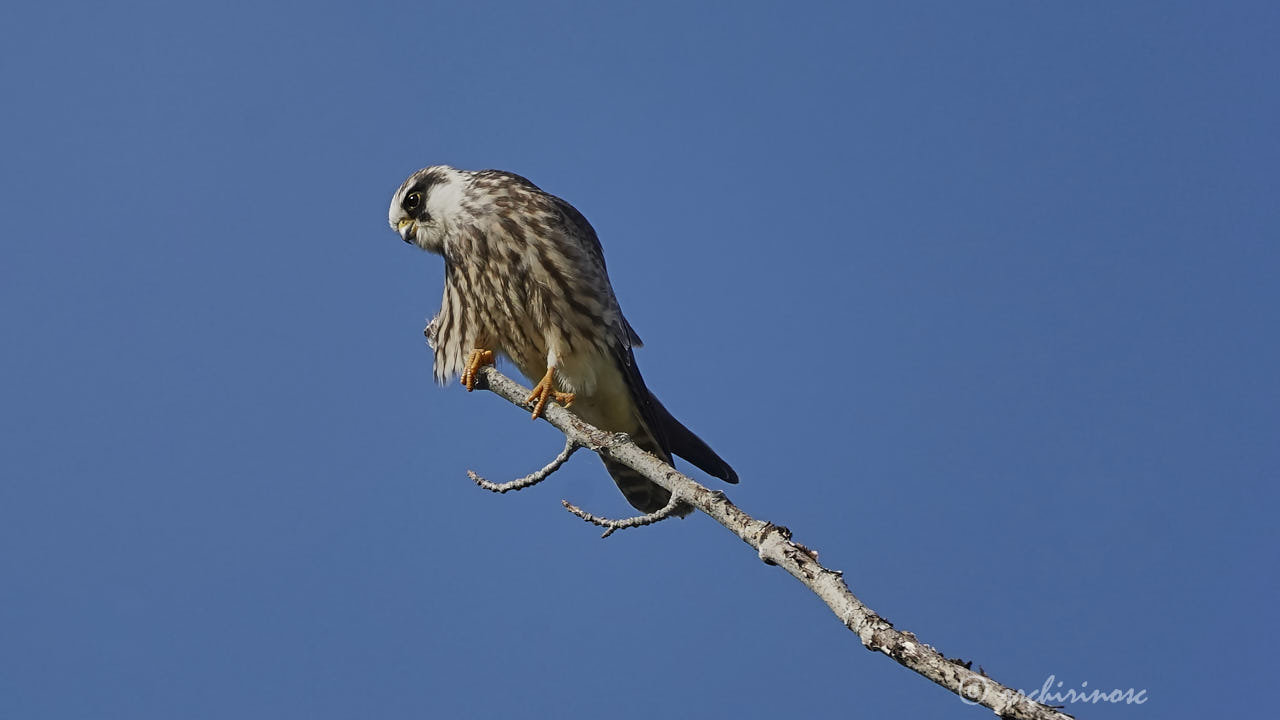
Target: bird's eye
[412, 202]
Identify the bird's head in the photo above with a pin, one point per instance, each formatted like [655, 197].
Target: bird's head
[427, 205]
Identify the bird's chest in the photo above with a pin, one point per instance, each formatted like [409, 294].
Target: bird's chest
[526, 315]
[506, 315]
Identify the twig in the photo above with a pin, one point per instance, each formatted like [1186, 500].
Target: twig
[658, 515]
[531, 479]
[774, 546]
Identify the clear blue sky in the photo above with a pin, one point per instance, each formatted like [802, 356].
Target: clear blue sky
[978, 298]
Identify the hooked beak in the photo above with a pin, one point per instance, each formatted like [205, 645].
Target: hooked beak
[406, 228]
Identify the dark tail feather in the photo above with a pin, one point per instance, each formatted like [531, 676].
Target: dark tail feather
[643, 494]
[681, 441]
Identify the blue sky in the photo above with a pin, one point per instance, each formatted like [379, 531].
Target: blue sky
[978, 298]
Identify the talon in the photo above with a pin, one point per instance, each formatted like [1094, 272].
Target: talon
[478, 359]
[545, 391]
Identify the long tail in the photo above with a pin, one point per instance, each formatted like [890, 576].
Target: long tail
[681, 441]
[644, 494]
[663, 435]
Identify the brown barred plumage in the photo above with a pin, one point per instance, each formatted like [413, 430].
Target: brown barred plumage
[525, 278]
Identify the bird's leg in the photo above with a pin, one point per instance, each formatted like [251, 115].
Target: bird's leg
[546, 390]
[478, 359]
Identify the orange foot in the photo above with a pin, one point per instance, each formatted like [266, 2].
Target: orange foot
[478, 359]
[544, 391]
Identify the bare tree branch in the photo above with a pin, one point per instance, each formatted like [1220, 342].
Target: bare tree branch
[774, 546]
[671, 508]
[532, 478]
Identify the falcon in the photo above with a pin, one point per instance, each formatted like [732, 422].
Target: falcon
[525, 279]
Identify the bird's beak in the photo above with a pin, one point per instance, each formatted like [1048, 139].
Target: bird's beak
[406, 229]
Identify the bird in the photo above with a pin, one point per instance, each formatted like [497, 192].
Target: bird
[525, 279]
